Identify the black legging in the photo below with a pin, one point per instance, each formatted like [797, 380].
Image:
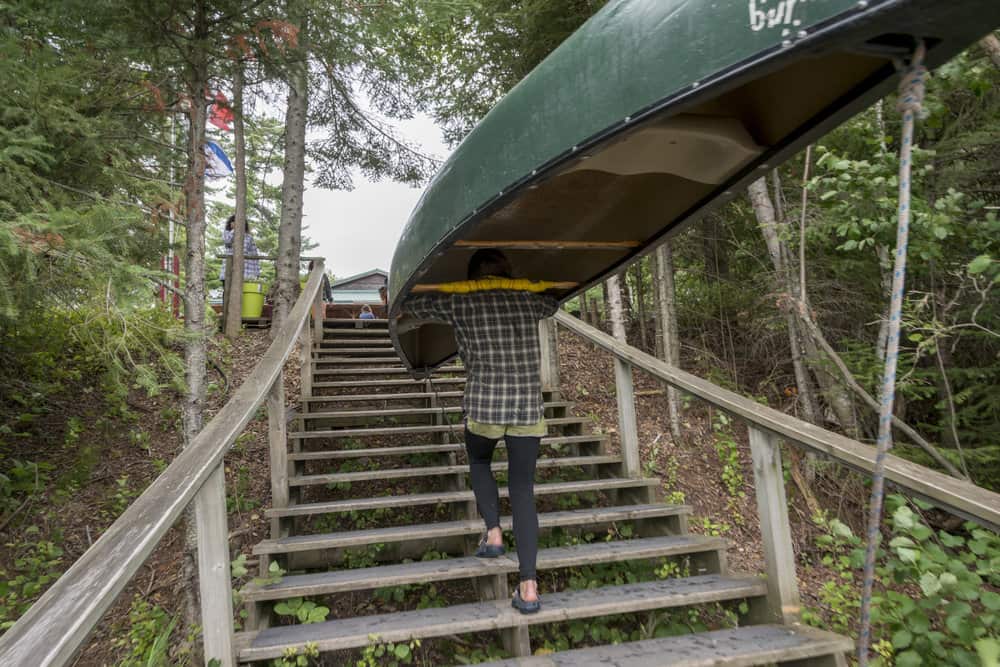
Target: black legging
[522, 452]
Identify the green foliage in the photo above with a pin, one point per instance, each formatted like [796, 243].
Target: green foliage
[300, 657]
[937, 602]
[732, 467]
[304, 611]
[35, 566]
[148, 638]
[379, 654]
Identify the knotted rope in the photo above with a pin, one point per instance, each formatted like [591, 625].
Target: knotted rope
[911, 98]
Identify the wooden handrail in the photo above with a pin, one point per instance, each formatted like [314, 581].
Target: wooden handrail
[958, 496]
[53, 629]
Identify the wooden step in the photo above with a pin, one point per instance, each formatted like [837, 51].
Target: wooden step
[345, 384]
[403, 450]
[343, 341]
[403, 430]
[437, 497]
[546, 520]
[494, 615]
[341, 581]
[364, 352]
[332, 322]
[383, 371]
[437, 471]
[401, 396]
[330, 333]
[406, 412]
[339, 361]
[738, 647]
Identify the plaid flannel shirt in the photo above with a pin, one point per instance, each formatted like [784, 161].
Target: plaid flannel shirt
[497, 334]
[251, 267]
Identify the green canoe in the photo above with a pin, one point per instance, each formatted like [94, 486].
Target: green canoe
[651, 114]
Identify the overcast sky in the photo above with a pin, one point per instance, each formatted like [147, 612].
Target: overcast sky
[358, 230]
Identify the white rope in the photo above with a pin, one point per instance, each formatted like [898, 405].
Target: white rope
[911, 98]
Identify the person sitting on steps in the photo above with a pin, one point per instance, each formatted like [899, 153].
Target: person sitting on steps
[497, 334]
[366, 313]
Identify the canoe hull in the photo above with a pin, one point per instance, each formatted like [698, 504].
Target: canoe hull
[649, 116]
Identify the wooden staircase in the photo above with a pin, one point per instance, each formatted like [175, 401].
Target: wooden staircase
[378, 496]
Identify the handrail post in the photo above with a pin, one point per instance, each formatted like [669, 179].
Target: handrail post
[215, 585]
[319, 306]
[775, 530]
[305, 385]
[627, 428]
[278, 446]
[548, 346]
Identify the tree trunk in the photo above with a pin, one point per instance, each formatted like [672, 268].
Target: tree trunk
[713, 249]
[584, 308]
[654, 273]
[628, 314]
[614, 291]
[784, 283]
[195, 348]
[234, 281]
[670, 341]
[991, 45]
[290, 227]
[605, 322]
[640, 305]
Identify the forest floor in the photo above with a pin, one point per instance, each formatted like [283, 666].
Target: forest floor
[110, 460]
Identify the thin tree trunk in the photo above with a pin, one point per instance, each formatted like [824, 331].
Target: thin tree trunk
[765, 213]
[614, 291]
[584, 306]
[595, 314]
[654, 272]
[665, 296]
[290, 227]
[991, 45]
[641, 305]
[234, 281]
[605, 307]
[195, 349]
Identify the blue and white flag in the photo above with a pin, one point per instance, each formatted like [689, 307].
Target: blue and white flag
[217, 164]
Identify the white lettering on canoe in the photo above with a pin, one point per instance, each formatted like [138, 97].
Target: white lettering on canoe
[773, 14]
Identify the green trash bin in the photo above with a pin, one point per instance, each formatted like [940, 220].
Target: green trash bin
[253, 299]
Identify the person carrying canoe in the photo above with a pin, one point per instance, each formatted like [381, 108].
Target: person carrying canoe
[496, 327]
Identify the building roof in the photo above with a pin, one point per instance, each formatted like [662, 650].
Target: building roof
[344, 283]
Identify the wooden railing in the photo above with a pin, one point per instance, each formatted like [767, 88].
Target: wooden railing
[767, 427]
[55, 627]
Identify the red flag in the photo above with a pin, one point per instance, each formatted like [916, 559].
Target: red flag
[220, 115]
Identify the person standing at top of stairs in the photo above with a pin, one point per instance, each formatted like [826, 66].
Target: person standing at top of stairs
[497, 334]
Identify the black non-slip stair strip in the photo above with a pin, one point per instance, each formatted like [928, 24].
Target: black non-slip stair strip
[493, 615]
[446, 529]
[340, 581]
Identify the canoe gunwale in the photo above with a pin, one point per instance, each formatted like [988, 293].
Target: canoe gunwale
[773, 58]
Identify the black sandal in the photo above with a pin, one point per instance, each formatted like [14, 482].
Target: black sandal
[522, 606]
[489, 550]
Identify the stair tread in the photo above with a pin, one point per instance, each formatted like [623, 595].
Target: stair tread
[402, 450]
[337, 581]
[736, 647]
[492, 615]
[382, 371]
[431, 471]
[434, 498]
[361, 358]
[383, 397]
[354, 538]
[392, 412]
[386, 383]
[424, 428]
